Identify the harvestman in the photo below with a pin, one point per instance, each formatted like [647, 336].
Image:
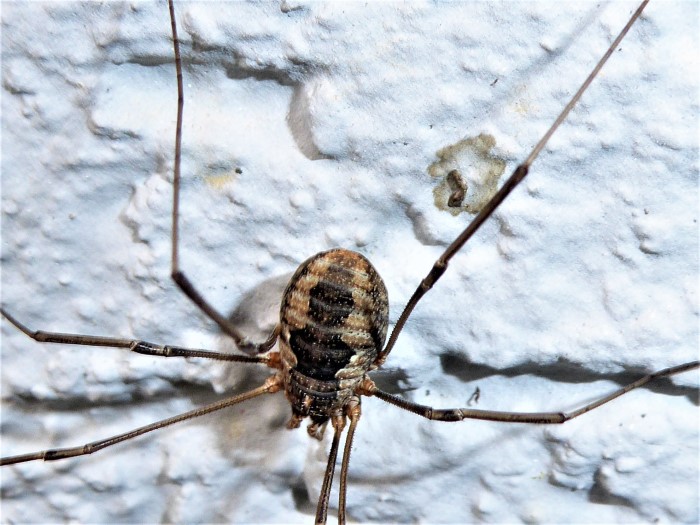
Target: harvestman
[337, 298]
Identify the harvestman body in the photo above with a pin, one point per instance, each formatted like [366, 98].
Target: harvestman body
[332, 333]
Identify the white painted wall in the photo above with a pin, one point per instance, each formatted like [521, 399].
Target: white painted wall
[334, 112]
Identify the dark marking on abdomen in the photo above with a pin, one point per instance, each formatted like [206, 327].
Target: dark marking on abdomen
[334, 308]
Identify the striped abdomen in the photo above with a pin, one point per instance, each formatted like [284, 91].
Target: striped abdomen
[334, 319]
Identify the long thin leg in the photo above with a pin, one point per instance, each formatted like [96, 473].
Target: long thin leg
[324, 497]
[271, 385]
[175, 272]
[459, 414]
[134, 345]
[518, 175]
[354, 413]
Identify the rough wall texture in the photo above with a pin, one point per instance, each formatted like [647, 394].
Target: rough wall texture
[310, 126]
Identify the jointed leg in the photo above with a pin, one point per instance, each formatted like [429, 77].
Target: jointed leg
[175, 272]
[352, 410]
[134, 345]
[354, 414]
[459, 414]
[518, 175]
[273, 384]
[338, 423]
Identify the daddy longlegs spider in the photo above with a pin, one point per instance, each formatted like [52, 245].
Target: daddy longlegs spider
[449, 356]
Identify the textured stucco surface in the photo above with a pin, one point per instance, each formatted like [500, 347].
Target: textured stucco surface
[333, 114]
